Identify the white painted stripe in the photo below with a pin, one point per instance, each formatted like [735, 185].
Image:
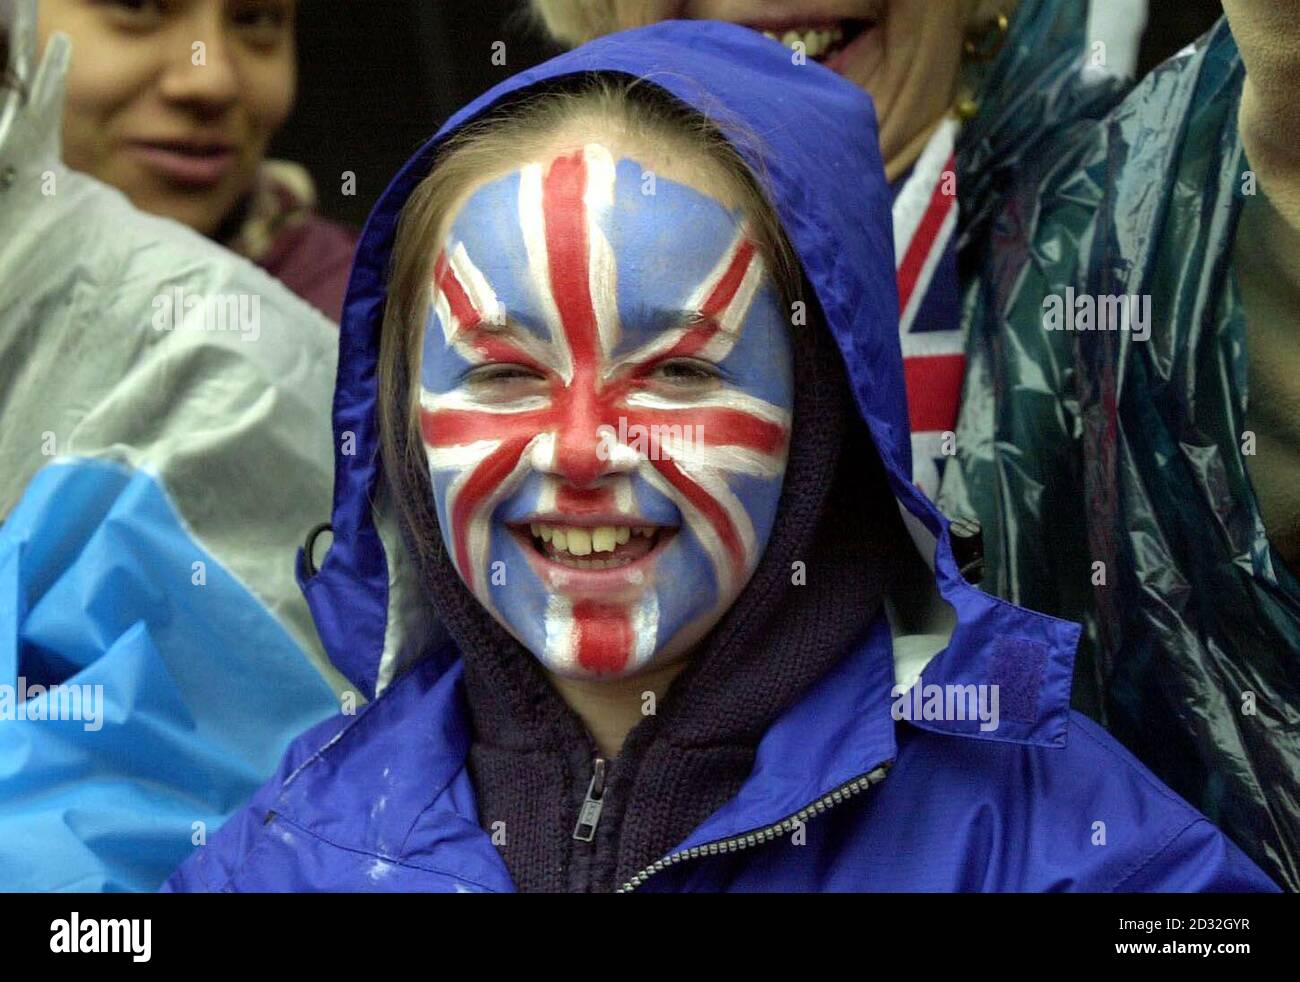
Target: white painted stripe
[464, 456]
[731, 459]
[645, 628]
[624, 500]
[726, 399]
[699, 525]
[476, 287]
[460, 400]
[561, 636]
[442, 310]
[602, 266]
[732, 319]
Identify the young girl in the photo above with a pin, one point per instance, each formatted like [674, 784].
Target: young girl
[648, 436]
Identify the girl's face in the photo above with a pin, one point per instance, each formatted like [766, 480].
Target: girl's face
[605, 405]
[174, 101]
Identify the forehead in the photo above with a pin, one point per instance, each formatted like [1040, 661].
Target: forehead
[665, 236]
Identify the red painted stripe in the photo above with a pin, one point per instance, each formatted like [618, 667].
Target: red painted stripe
[720, 427]
[564, 216]
[457, 298]
[583, 501]
[723, 293]
[918, 250]
[709, 507]
[453, 427]
[486, 478]
[604, 635]
[933, 390]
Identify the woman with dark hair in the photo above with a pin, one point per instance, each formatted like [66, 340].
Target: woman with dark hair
[175, 104]
[160, 460]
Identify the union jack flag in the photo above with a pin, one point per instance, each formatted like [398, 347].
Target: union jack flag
[595, 381]
[933, 342]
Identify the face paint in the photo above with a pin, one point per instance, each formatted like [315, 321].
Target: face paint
[605, 405]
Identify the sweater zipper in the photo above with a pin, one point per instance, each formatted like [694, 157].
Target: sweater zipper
[766, 834]
[589, 816]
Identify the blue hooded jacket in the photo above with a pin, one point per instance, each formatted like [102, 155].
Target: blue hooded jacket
[382, 799]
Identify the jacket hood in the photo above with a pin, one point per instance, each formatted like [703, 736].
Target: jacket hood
[817, 155]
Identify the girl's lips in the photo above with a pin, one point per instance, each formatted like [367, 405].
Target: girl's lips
[630, 568]
[189, 165]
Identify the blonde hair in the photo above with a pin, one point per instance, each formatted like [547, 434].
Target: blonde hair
[574, 22]
[616, 108]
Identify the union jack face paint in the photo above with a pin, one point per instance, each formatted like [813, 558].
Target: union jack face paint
[605, 405]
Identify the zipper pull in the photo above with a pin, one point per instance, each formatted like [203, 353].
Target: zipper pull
[589, 817]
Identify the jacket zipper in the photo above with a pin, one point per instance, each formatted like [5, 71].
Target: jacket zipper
[589, 816]
[766, 834]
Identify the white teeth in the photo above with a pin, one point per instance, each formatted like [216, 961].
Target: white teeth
[815, 42]
[580, 541]
[603, 539]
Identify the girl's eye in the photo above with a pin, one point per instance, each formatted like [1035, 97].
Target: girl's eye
[496, 373]
[685, 373]
[504, 381]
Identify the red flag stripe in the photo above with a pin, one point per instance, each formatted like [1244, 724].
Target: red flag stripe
[919, 248]
[718, 427]
[723, 293]
[565, 221]
[604, 639]
[462, 308]
[487, 476]
[709, 507]
[933, 390]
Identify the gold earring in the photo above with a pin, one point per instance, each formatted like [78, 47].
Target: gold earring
[981, 48]
[988, 43]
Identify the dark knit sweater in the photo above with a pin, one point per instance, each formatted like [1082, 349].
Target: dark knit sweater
[531, 758]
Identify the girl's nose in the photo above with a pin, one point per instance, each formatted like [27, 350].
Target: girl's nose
[587, 447]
